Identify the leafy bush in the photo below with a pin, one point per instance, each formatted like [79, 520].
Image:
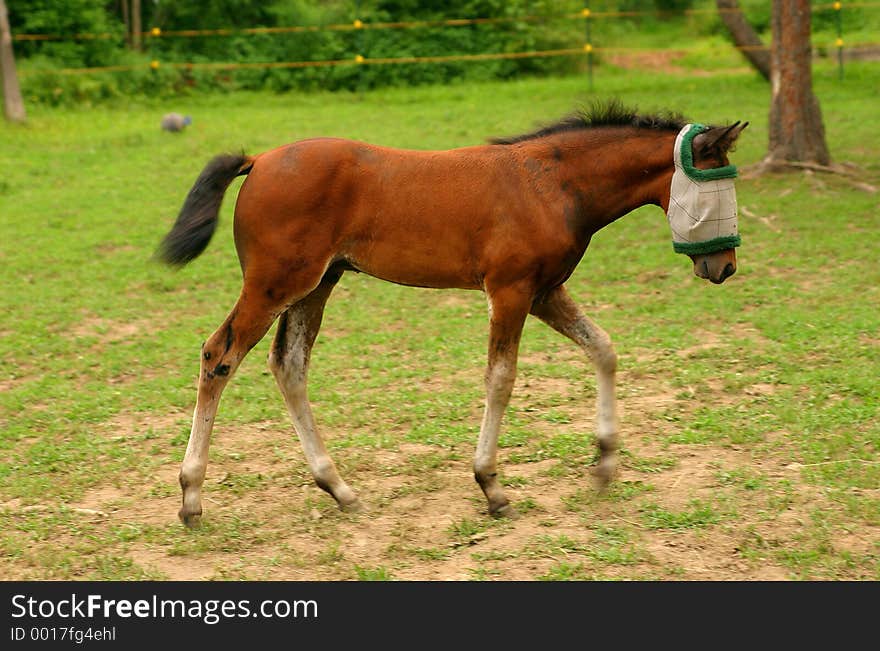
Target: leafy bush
[67, 18]
[41, 60]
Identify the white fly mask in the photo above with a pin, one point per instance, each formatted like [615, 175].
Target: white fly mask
[702, 203]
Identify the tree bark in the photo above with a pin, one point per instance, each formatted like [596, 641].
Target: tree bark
[13, 105]
[796, 129]
[136, 29]
[126, 19]
[744, 36]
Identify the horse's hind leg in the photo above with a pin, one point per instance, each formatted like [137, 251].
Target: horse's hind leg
[508, 310]
[561, 313]
[221, 355]
[289, 361]
[253, 314]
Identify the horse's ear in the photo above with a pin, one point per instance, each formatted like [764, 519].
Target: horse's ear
[717, 140]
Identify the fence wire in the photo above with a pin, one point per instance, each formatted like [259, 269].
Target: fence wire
[587, 48]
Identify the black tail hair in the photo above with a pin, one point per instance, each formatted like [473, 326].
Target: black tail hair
[197, 220]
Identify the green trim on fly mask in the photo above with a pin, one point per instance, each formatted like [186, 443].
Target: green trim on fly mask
[687, 159]
[709, 246]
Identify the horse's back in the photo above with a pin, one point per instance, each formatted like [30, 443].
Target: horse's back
[387, 211]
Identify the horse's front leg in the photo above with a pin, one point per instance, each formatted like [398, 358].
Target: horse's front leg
[508, 309]
[561, 313]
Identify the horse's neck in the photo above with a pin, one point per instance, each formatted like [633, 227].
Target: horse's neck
[614, 171]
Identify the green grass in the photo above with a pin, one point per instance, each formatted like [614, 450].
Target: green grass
[373, 574]
[696, 515]
[100, 348]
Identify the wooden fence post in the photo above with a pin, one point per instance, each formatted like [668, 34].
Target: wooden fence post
[13, 105]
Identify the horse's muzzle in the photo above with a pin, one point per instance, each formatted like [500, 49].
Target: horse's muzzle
[716, 267]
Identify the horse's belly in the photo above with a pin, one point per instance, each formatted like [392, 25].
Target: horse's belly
[418, 257]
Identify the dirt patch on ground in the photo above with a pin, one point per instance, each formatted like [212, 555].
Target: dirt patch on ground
[669, 515]
[665, 61]
[707, 511]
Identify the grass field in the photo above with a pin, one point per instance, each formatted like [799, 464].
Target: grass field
[748, 411]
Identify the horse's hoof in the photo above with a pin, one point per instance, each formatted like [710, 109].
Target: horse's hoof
[603, 474]
[352, 507]
[505, 511]
[191, 520]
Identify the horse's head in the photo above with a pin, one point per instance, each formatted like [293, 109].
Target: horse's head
[702, 201]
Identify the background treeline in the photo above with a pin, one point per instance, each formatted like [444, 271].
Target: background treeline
[40, 61]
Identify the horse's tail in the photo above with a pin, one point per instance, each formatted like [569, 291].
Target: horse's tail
[198, 218]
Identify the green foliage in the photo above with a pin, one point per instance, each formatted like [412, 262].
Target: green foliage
[68, 18]
[758, 13]
[41, 59]
[656, 24]
[654, 5]
[673, 5]
[101, 351]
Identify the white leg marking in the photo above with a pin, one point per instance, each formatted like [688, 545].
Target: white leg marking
[500, 379]
[289, 362]
[563, 315]
[508, 309]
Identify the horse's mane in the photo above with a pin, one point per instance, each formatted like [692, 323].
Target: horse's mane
[601, 114]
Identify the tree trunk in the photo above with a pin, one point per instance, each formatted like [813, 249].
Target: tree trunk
[744, 36]
[126, 19]
[136, 30]
[796, 130]
[13, 106]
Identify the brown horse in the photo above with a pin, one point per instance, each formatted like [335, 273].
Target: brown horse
[512, 218]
